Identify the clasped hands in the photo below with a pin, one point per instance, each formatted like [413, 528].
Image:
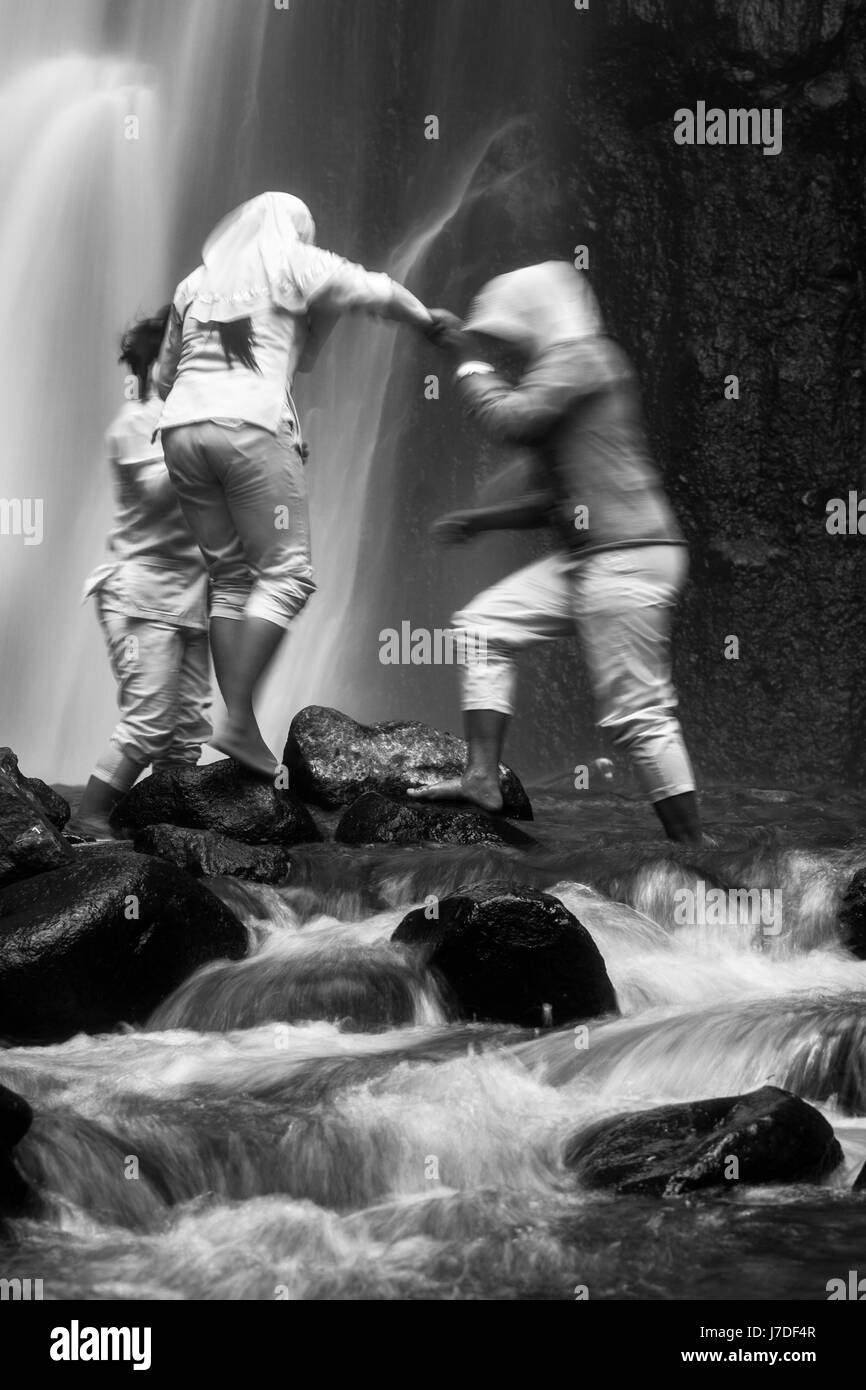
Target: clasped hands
[446, 331]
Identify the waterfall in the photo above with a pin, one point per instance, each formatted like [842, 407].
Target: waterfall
[99, 151]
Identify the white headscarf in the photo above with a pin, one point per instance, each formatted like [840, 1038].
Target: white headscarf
[537, 307]
[261, 254]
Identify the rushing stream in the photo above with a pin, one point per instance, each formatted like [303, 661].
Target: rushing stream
[370, 1148]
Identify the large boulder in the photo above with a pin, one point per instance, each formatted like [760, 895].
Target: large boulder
[16, 1117]
[511, 955]
[205, 854]
[332, 760]
[772, 1135]
[29, 842]
[101, 942]
[222, 797]
[382, 820]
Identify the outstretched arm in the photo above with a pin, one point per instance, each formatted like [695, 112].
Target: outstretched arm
[521, 514]
[350, 287]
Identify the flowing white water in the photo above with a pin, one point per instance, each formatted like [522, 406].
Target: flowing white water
[356, 1143]
[101, 155]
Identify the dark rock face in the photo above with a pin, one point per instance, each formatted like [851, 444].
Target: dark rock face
[852, 915]
[723, 262]
[16, 1196]
[774, 1136]
[204, 854]
[506, 953]
[860, 1180]
[381, 820]
[102, 942]
[221, 797]
[332, 760]
[29, 842]
[16, 1117]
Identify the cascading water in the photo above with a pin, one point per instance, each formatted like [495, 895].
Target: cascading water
[99, 153]
[312, 1122]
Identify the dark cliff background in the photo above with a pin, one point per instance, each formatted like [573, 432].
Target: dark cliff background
[708, 262]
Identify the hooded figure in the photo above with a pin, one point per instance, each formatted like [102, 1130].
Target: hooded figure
[586, 470]
[536, 307]
[578, 409]
[241, 325]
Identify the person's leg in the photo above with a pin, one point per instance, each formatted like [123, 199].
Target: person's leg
[265, 494]
[100, 799]
[145, 659]
[192, 726]
[528, 608]
[199, 460]
[623, 606]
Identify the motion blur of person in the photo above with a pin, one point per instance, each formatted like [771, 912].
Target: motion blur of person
[256, 311]
[621, 560]
[151, 598]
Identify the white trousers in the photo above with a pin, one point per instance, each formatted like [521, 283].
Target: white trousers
[163, 692]
[243, 493]
[620, 603]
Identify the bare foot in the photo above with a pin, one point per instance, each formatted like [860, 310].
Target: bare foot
[247, 747]
[477, 790]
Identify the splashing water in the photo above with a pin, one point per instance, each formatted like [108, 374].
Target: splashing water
[308, 1123]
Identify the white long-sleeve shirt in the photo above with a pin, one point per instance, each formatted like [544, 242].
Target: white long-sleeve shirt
[198, 384]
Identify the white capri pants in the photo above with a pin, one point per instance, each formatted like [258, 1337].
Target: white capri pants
[620, 602]
[163, 692]
[243, 493]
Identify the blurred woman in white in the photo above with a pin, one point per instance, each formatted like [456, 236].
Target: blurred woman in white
[241, 325]
[151, 597]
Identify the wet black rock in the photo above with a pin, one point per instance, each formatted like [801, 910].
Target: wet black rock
[103, 941]
[860, 1180]
[29, 842]
[766, 1136]
[205, 854]
[221, 797]
[511, 955]
[852, 915]
[55, 807]
[16, 1117]
[333, 760]
[382, 820]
